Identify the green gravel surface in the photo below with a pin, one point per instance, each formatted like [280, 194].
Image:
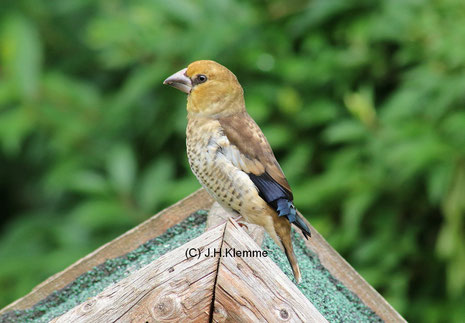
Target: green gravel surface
[113, 270]
[330, 297]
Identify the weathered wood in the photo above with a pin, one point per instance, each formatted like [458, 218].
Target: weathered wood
[179, 289]
[254, 289]
[218, 215]
[337, 266]
[345, 273]
[173, 288]
[130, 240]
[158, 224]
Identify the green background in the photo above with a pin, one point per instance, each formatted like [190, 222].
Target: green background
[362, 102]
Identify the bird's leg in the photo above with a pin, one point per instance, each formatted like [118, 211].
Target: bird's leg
[240, 220]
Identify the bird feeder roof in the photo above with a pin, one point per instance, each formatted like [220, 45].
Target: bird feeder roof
[221, 288]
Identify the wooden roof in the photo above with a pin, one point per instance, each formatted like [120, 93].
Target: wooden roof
[215, 288]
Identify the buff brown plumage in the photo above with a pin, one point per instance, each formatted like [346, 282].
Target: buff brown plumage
[231, 157]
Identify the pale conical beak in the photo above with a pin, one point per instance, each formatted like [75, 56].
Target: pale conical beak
[180, 81]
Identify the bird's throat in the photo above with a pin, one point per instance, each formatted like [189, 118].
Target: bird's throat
[214, 108]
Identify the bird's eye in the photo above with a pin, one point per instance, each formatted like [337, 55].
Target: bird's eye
[202, 78]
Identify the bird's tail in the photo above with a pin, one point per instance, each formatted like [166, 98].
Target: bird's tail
[282, 236]
[286, 208]
[289, 251]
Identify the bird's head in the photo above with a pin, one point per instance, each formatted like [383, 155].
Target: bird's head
[212, 89]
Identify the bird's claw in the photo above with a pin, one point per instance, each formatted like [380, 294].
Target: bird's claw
[241, 222]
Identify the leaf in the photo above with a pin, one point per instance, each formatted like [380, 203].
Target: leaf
[354, 209]
[289, 100]
[277, 135]
[121, 167]
[15, 125]
[155, 184]
[101, 214]
[439, 181]
[345, 131]
[89, 182]
[21, 54]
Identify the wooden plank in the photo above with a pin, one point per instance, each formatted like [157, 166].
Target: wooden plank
[329, 257]
[254, 289]
[159, 223]
[130, 240]
[218, 215]
[172, 288]
[345, 273]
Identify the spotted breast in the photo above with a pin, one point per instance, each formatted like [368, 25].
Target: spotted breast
[231, 187]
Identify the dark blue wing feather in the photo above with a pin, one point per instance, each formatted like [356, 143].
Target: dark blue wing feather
[279, 199]
[268, 189]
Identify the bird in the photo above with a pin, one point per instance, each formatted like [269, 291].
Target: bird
[231, 157]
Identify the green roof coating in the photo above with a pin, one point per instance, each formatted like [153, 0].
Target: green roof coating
[332, 299]
[111, 271]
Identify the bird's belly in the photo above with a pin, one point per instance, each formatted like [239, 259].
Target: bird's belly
[227, 184]
[219, 179]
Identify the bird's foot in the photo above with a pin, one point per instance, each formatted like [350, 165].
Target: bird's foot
[240, 220]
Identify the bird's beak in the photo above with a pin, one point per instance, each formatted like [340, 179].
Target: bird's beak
[180, 81]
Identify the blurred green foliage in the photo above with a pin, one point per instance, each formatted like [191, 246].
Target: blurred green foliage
[362, 101]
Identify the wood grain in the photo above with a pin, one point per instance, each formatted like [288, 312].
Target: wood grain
[130, 240]
[159, 223]
[218, 215]
[254, 289]
[173, 288]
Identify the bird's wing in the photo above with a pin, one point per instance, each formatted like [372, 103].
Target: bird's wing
[250, 151]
